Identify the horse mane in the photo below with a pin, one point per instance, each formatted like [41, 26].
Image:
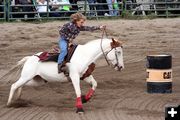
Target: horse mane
[97, 41]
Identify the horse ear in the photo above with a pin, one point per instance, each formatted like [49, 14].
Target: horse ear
[116, 41]
[113, 40]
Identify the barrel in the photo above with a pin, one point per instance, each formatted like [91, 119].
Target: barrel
[159, 73]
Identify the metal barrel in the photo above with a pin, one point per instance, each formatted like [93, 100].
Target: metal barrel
[159, 73]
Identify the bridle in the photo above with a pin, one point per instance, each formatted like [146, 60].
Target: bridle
[105, 54]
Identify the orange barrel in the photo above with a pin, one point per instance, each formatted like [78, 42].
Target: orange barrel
[159, 73]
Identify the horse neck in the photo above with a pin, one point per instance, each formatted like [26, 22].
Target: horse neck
[94, 50]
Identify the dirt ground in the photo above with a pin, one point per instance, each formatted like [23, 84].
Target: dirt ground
[119, 95]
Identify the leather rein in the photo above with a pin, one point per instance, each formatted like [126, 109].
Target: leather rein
[105, 54]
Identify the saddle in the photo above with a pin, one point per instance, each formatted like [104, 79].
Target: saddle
[53, 54]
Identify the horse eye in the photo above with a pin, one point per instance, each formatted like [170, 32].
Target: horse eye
[119, 52]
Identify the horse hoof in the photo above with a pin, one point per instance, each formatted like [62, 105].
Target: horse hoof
[8, 105]
[80, 111]
[83, 99]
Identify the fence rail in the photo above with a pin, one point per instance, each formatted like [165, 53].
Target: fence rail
[128, 8]
[155, 8]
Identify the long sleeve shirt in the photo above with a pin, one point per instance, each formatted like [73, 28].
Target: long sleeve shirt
[70, 30]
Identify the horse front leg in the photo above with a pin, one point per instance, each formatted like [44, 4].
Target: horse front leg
[93, 83]
[76, 84]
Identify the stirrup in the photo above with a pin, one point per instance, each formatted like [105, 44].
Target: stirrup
[60, 67]
[65, 71]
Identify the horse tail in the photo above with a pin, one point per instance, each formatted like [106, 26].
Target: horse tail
[15, 71]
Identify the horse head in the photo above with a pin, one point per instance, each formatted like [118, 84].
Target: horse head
[115, 55]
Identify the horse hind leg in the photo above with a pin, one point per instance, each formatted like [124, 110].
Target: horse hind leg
[17, 85]
[36, 81]
[28, 72]
[19, 91]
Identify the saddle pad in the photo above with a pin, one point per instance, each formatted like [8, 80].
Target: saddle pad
[46, 56]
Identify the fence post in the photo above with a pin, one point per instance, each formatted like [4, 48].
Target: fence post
[48, 9]
[124, 8]
[85, 8]
[166, 9]
[6, 9]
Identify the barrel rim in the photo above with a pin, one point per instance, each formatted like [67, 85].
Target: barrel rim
[159, 55]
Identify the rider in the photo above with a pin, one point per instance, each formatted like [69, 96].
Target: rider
[70, 31]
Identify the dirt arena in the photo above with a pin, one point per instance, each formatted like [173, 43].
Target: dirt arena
[119, 95]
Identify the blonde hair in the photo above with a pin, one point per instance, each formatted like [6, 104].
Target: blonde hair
[77, 16]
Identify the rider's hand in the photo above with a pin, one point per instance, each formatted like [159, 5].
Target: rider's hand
[102, 27]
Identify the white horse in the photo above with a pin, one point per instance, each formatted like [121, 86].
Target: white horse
[83, 56]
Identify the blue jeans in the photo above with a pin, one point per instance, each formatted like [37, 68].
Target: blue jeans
[63, 44]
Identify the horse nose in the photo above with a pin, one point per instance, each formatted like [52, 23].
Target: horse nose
[120, 68]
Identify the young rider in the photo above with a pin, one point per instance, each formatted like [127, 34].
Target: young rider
[69, 32]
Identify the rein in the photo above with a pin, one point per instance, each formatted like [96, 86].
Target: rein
[117, 60]
[105, 55]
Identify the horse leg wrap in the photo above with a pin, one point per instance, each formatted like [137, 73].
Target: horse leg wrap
[78, 102]
[89, 94]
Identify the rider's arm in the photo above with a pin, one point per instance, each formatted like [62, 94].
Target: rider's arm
[89, 28]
